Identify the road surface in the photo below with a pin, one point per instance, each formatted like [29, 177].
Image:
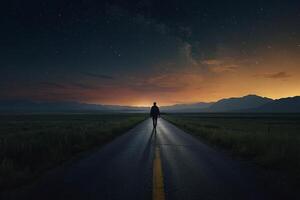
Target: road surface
[144, 164]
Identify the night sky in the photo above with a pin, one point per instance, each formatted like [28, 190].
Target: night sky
[137, 52]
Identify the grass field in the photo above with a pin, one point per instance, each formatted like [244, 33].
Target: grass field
[272, 141]
[31, 144]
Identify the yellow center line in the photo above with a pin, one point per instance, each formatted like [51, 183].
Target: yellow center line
[158, 180]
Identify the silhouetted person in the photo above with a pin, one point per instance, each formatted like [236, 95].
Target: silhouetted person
[154, 113]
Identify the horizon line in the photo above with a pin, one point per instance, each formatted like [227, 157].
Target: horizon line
[143, 105]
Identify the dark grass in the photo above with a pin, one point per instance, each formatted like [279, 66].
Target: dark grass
[31, 144]
[272, 141]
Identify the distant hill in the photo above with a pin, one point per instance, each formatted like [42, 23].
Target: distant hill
[195, 107]
[239, 103]
[290, 104]
[249, 103]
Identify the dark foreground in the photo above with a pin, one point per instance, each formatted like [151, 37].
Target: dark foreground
[31, 144]
[123, 169]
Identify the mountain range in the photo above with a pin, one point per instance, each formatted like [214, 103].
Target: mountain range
[239, 103]
[249, 103]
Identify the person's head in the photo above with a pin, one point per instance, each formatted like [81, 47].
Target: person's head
[154, 103]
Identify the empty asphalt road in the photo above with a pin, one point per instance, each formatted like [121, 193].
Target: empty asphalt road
[144, 164]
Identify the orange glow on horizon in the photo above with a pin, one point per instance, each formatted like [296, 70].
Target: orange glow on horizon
[277, 75]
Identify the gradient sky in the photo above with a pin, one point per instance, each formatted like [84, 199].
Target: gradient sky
[137, 52]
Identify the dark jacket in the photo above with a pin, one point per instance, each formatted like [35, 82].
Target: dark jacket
[154, 111]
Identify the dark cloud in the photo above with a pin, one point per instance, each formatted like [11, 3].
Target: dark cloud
[155, 88]
[100, 76]
[69, 85]
[85, 86]
[52, 84]
[278, 75]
